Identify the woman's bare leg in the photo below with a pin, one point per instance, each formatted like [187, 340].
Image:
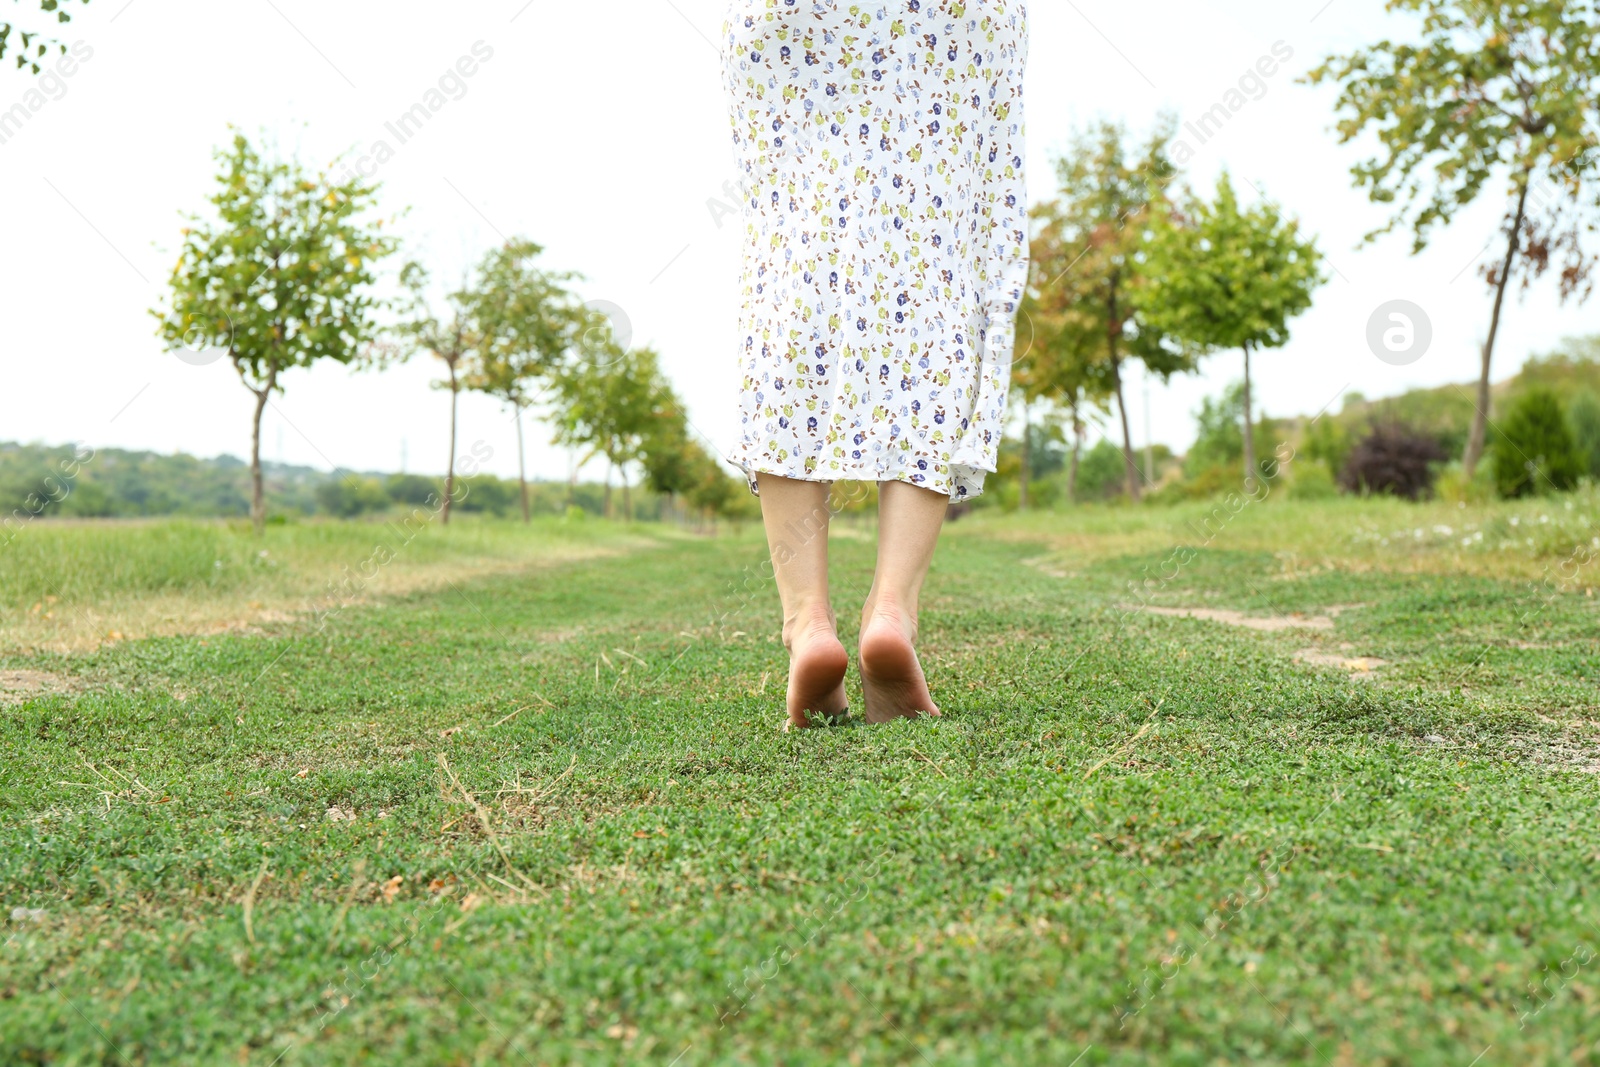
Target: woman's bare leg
[909, 519]
[795, 514]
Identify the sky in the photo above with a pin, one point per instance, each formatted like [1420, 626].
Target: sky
[599, 130]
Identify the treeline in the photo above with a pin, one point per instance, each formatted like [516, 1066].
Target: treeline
[284, 272]
[42, 480]
[1544, 439]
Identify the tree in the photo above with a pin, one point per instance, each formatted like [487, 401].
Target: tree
[452, 339]
[281, 280]
[31, 45]
[527, 321]
[1061, 362]
[1497, 91]
[1535, 452]
[1100, 221]
[677, 465]
[1229, 278]
[611, 406]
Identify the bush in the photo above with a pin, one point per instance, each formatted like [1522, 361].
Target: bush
[1533, 451]
[1454, 487]
[1311, 480]
[1583, 419]
[349, 496]
[486, 493]
[1392, 458]
[415, 489]
[88, 500]
[1102, 472]
[1328, 442]
[1215, 480]
[1219, 437]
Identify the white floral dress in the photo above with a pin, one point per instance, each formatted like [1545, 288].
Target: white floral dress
[880, 149]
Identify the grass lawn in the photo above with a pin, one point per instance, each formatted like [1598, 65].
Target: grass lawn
[1293, 783]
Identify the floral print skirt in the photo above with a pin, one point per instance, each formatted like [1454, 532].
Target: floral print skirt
[879, 148]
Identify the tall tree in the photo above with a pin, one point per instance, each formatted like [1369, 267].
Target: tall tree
[1100, 221]
[612, 406]
[527, 321]
[453, 338]
[676, 464]
[1062, 364]
[31, 46]
[1497, 91]
[281, 279]
[1231, 277]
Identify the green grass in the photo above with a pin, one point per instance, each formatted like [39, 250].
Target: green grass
[1132, 839]
[73, 585]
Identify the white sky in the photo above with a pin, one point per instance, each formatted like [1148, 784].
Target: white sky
[599, 129]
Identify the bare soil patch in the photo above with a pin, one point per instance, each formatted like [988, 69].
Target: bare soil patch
[1263, 623]
[1357, 664]
[19, 685]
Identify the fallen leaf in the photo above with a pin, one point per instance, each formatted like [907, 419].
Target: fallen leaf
[302, 772]
[391, 888]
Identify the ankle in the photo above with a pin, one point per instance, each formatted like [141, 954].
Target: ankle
[893, 609]
[808, 620]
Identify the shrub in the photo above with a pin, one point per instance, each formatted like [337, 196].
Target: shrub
[413, 489]
[1533, 450]
[1454, 487]
[1311, 480]
[1583, 418]
[350, 495]
[1214, 480]
[1219, 434]
[1327, 442]
[1102, 472]
[1392, 458]
[486, 493]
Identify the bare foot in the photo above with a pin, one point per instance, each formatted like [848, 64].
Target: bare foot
[890, 674]
[817, 663]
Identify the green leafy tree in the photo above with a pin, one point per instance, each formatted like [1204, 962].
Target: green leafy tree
[1100, 219]
[677, 465]
[31, 46]
[1534, 452]
[611, 406]
[527, 321]
[1497, 93]
[1061, 363]
[1229, 277]
[282, 278]
[453, 338]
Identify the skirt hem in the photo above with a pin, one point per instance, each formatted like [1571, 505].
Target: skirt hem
[965, 482]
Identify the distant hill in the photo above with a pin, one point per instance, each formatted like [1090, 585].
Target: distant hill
[50, 480]
[1446, 411]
